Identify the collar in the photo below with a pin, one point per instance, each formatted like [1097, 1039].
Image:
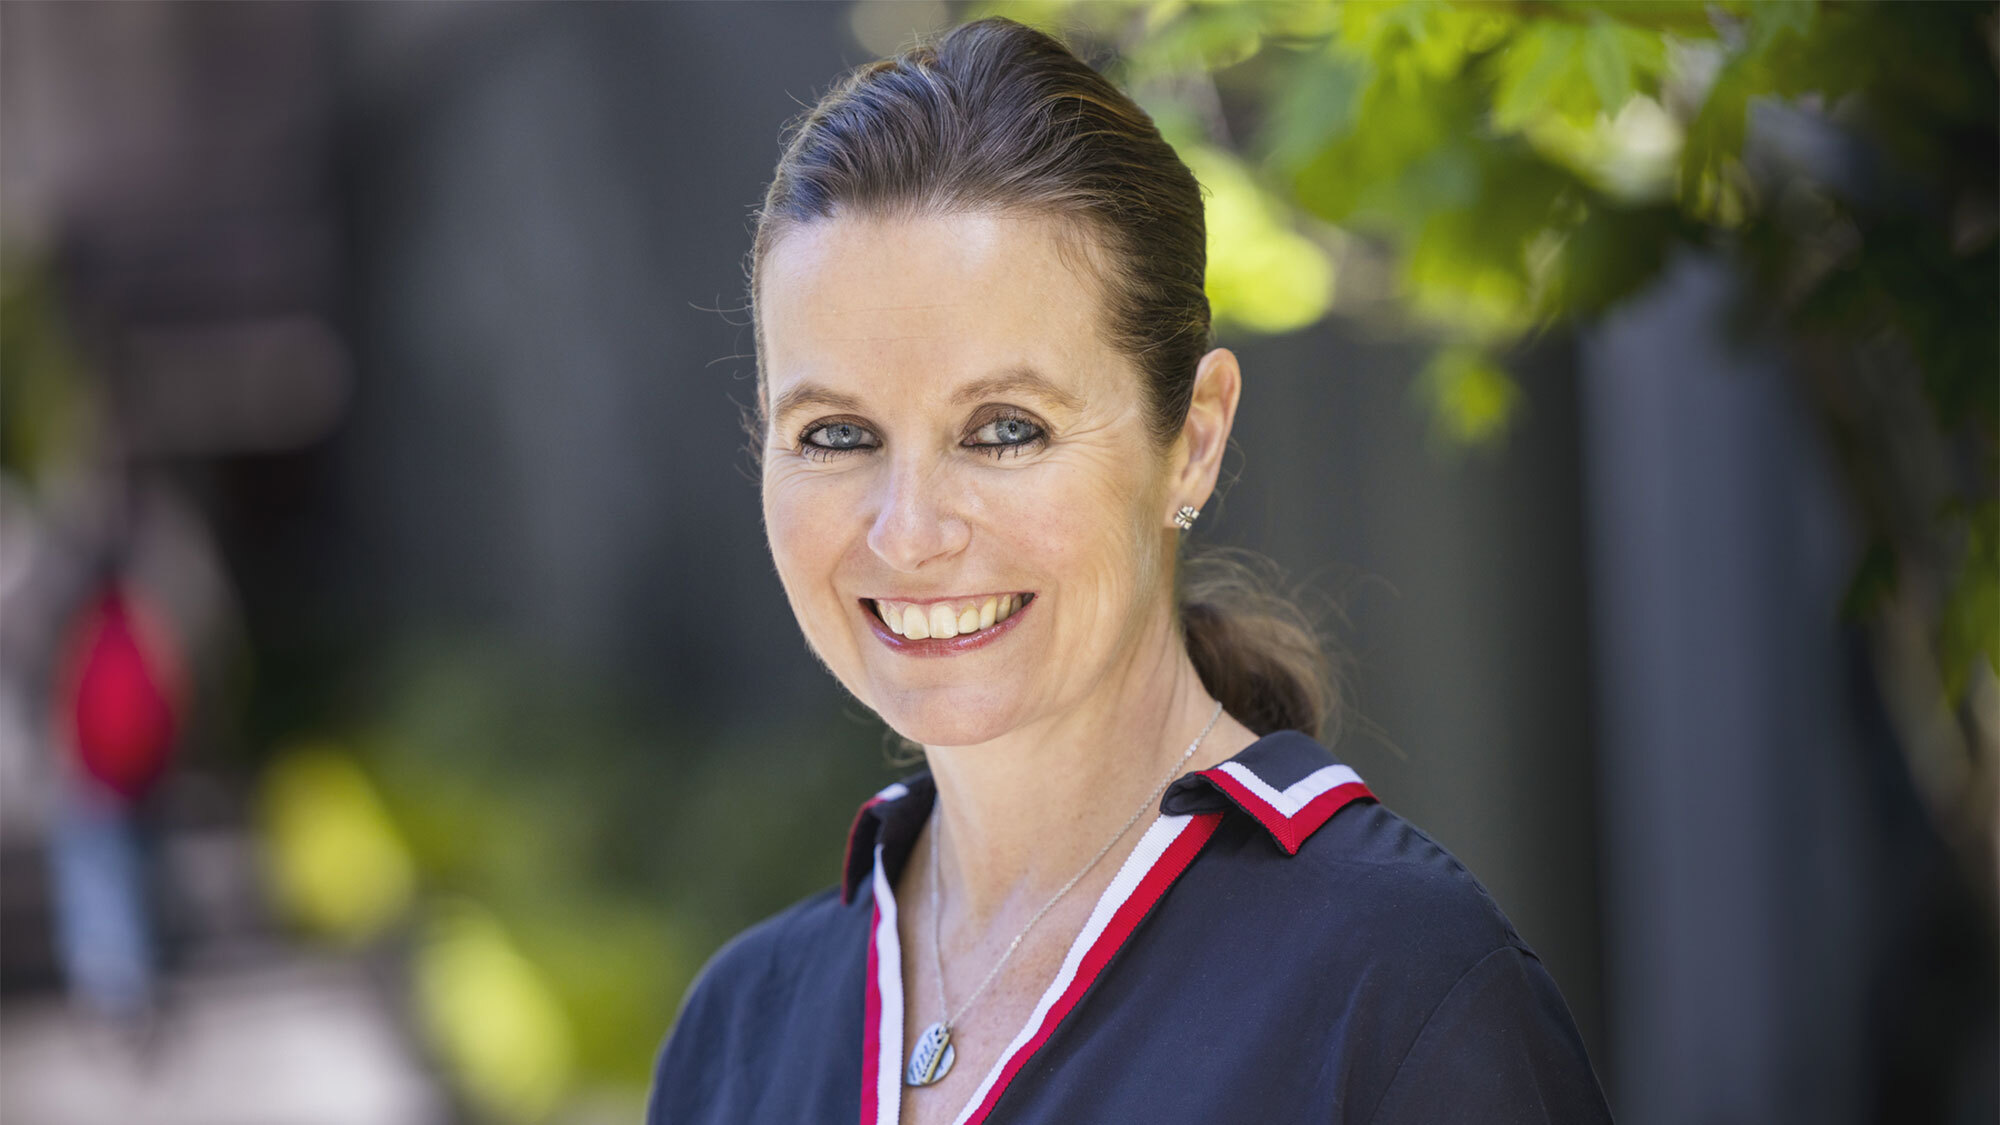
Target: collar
[1286, 782]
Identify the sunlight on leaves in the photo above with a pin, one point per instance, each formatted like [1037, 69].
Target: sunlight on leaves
[491, 1014]
[1632, 157]
[336, 862]
[1471, 399]
[1971, 625]
[1263, 274]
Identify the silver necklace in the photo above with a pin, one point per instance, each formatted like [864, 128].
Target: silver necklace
[932, 1057]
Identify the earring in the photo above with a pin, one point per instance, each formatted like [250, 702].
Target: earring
[1184, 519]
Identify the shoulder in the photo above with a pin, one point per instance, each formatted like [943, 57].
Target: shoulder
[1394, 973]
[1369, 892]
[767, 955]
[1499, 1038]
[1397, 883]
[775, 972]
[1465, 1011]
[1305, 838]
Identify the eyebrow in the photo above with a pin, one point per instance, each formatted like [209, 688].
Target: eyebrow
[1018, 380]
[812, 394]
[1013, 380]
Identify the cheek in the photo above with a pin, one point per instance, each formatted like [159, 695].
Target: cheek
[801, 527]
[1090, 524]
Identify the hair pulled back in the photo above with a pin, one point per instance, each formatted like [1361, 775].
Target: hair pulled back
[998, 117]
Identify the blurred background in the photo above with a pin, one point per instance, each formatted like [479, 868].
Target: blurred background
[397, 704]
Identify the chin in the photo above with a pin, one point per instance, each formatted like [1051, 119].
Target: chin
[936, 719]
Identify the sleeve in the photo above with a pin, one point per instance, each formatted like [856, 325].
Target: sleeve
[688, 1073]
[1500, 1049]
[683, 1087]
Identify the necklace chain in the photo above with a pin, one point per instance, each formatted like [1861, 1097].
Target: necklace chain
[937, 942]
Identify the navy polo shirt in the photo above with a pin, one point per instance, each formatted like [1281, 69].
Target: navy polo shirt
[1279, 947]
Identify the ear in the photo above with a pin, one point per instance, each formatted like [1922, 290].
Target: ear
[1218, 383]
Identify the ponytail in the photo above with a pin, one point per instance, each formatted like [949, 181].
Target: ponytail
[1257, 651]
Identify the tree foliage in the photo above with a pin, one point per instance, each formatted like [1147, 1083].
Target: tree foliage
[1509, 167]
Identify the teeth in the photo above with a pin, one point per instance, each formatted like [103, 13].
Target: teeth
[945, 619]
[944, 623]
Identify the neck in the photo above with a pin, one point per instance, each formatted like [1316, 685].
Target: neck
[1024, 812]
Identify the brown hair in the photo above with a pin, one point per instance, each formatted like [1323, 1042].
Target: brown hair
[997, 116]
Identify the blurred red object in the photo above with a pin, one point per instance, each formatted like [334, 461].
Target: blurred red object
[121, 691]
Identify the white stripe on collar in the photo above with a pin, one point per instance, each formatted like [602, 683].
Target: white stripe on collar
[888, 1075]
[1163, 832]
[1296, 795]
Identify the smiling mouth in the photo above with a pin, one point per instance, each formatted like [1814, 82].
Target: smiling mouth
[941, 620]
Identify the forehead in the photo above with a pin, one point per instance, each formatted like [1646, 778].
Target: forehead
[928, 302]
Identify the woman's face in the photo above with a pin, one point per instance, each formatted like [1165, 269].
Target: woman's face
[949, 435]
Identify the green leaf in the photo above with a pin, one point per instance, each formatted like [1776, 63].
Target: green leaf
[1609, 66]
[1715, 139]
[1773, 20]
[1416, 154]
[1577, 73]
[1193, 38]
[1313, 103]
[1262, 273]
[1971, 622]
[1611, 254]
[1537, 73]
[1471, 399]
[1469, 267]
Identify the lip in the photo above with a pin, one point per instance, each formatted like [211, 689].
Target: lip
[954, 598]
[941, 646]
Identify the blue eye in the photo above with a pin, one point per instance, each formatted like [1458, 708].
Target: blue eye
[824, 439]
[1009, 433]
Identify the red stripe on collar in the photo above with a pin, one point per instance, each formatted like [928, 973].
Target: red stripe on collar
[1162, 855]
[1291, 814]
[1164, 871]
[871, 1039]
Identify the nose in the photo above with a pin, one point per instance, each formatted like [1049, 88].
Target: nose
[916, 516]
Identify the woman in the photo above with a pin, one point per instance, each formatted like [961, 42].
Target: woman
[1127, 888]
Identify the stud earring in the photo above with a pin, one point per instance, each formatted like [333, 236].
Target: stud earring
[1184, 519]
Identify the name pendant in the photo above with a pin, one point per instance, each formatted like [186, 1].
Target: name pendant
[931, 1059]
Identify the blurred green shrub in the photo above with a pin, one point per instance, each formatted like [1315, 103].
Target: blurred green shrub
[1495, 170]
